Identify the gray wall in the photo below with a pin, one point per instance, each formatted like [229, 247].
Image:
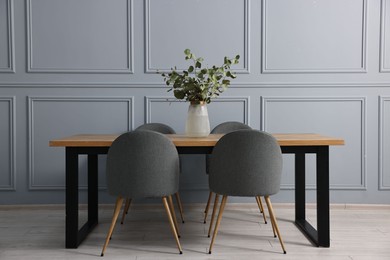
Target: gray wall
[89, 66]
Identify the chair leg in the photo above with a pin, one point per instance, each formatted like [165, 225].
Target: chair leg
[273, 219]
[173, 228]
[206, 210]
[125, 209]
[273, 228]
[261, 208]
[170, 204]
[221, 209]
[213, 214]
[259, 204]
[178, 200]
[118, 204]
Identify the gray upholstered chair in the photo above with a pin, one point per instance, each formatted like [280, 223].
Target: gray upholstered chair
[143, 164]
[246, 163]
[224, 128]
[163, 129]
[157, 127]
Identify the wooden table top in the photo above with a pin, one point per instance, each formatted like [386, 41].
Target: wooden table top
[180, 140]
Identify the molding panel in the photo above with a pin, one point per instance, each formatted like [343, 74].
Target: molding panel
[385, 37]
[235, 85]
[7, 47]
[168, 20]
[7, 144]
[55, 117]
[79, 36]
[314, 114]
[305, 36]
[384, 143]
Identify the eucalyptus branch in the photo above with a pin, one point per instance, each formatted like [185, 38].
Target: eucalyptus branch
[206, 83]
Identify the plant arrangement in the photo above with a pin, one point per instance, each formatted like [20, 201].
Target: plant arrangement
[200, 84]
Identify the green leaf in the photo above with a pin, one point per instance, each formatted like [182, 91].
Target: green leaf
[178, 94]
[203, 84]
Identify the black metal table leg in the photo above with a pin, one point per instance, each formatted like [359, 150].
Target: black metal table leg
[321, 236]
[73, 235]
[300, 189]
[72, 199]
[93, 188]
[300, 198]
[323, 221]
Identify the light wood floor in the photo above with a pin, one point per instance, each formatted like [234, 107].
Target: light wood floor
[37, 232]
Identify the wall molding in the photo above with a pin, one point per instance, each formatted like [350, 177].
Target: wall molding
[150, 99]
[148, 105]
[12, 144]
[382, 50]
[381, 158]
[265, 70]
[362, 100]
[273, 85]
[31, 143]
[149, 67]
[11, 42]
[130, 48]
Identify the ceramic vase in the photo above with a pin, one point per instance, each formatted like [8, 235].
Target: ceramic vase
[198, 124]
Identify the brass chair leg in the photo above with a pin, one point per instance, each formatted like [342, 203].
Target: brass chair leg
[273, 219]
[213, 214]
[173, 228]
[261, 208]
[206, 210]
[259, 204]
[221, 209]
[180, 206]
[125, 209]
[170, 204]
[118, 204]
[273, 228]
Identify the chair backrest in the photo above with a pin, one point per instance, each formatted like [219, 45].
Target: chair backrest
[157, 127]
[246, 163]
[225, 128]
[142, 164]
[228, 127]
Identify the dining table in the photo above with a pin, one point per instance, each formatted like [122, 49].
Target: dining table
[298, 144]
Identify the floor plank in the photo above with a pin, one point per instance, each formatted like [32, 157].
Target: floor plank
[37, 232]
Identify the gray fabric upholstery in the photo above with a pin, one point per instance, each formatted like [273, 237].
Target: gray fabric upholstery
[228, 127]
[158, 127]
[224, 128]
[246, 163]
[142, 164]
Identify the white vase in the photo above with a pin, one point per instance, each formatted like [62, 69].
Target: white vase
[198, 124]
